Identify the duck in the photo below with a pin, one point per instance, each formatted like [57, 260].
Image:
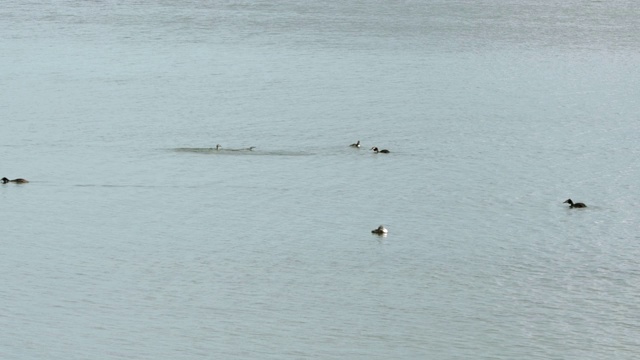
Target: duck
[574, 205]
[376, 150]
[17, 181]
[379, 231]
[356, 145]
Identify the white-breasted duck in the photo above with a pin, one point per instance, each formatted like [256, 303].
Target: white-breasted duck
[381, 230]
[356, 145]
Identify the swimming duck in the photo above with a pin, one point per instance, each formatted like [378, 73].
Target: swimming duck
[379, 231]
[574, 205]
[17, 181]
[357, 144]
[376, 150]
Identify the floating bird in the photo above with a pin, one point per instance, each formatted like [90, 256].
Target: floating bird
[379, 231]
[376, 150]
[17, 181]
[574, 205]
[356, 145]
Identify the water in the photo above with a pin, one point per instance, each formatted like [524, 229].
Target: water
[135, 239]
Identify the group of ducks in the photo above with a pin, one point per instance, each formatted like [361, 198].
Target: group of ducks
[381, 230]
[17, 181]
[375, 149]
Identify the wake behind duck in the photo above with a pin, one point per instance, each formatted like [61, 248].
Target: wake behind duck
[217, 149]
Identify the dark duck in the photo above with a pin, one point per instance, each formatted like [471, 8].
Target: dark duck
[17, 181]
[376, 150]
[574, 205]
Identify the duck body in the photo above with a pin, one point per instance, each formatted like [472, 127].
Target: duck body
[574, 205]
[17, 181]
[380, 230]
[376, 150]
[356, 145]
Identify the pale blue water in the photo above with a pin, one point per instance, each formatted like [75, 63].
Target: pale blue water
[133, 240]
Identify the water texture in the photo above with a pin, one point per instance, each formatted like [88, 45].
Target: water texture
[137, 239]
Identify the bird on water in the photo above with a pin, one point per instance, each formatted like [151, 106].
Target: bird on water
[574, 205]
[380, 230]
[17, 181]
[376, 150]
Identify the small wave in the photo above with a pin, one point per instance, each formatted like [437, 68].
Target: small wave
[242, 151]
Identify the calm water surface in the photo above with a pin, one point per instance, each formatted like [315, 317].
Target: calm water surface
[135, 239]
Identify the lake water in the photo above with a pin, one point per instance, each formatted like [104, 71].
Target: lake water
[135, 239]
